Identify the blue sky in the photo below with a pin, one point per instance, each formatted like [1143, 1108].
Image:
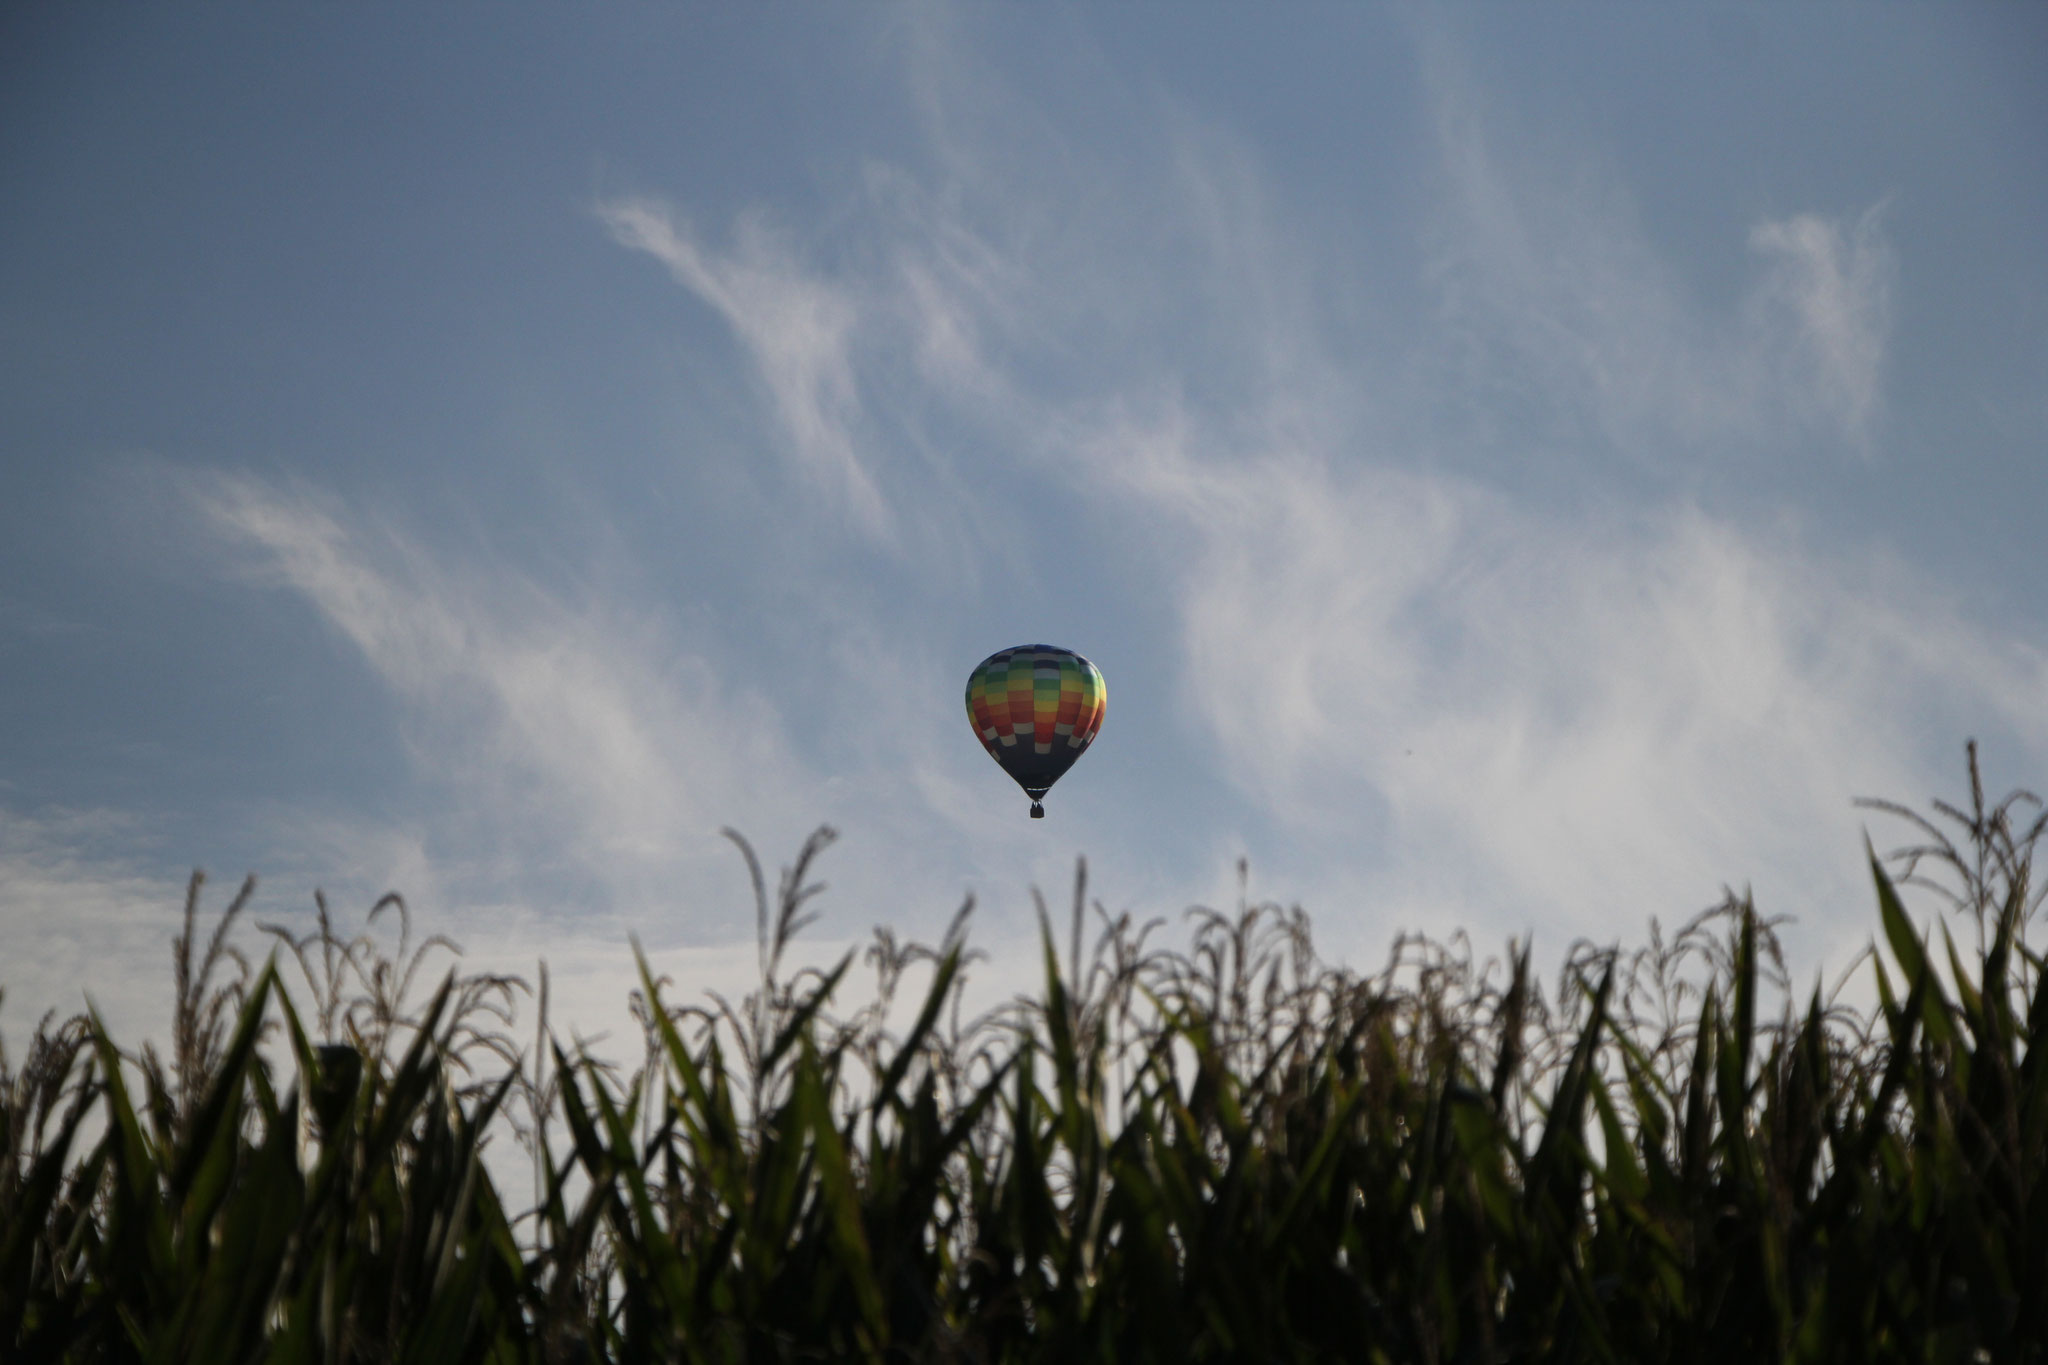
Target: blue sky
[1518, 468]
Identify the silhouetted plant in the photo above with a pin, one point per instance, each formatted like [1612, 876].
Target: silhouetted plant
[1227, 1151]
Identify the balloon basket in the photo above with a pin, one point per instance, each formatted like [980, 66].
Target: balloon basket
[1037, 811]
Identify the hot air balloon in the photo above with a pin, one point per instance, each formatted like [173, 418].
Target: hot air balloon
[1036, 708]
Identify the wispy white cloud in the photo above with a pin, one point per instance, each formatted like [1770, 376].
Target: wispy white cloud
[1558, 307]
[1573, 717]
[1571, 721]
[579, 732]
[1835, 281]
[798, 329]
[582, 757]
[1551, 303]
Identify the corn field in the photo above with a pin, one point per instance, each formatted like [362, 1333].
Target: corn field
[1227, 1150]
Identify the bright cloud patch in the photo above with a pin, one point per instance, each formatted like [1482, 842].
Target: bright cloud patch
[79, 923]
[1575, 722]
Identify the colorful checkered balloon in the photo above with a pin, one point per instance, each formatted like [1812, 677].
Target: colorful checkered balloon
[1036, 709]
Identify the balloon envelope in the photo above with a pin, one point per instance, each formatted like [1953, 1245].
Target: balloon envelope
[1036, 708]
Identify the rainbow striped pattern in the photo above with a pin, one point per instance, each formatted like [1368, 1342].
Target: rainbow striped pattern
[1036, 708]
